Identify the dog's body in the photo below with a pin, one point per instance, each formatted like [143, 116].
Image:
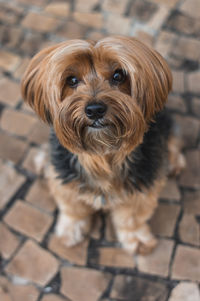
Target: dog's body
[109, 146]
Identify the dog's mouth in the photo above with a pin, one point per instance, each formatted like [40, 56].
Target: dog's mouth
[98, 125]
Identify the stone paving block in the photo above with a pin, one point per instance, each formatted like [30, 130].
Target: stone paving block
[191, 202]
[187, 48]
[145, 37]
[33, 2]
[17, 122]
[17, 292]
[31, 159]
[109, 231]
[41, 272]
[39, 133]
[183, 24]
[116, 24]
[39, 195]
[95, 35]
[165, 42]
[171, 191]
[72, 30]
[185, 291]
[129, 288]
[85, 6]
[193, 79]
[11, 148]
[76, 254]
[39, 22]
[28, 220]
[196, 107]
[8, 242]
[52, 297]
[10, 37]
[21, 68]
[178, 81]
[186, 264]
[115, 257]
[158, 18]
[189, 230]
[9, 61]
[74, 283]
[10, 13]
[176, 103]
[9, 92]
[189, 129]
[115, 6]
[59, 9]
[142, 11]
[31, 44]
[164, 219]
[10, 181]
[190, 177]
[157, 263]
[187, 7]
[94, 20]
[169, 3]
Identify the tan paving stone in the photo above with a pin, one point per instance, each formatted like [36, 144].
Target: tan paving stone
[142, 11]
[85, 6]
[39, 133]
[169, 3]
[10, 181]
[158, 18]
[189, 230]
[16, 122]
[170, 191]
[11, 36]
[28, 220]
[190, 177]
[110, 232]
[176, 103]
[76, 254]
[186, 264]
[72, 30]
[10, 13]
[133, 288]
[74, 283]
[116, 24]
[95, 35]
[145, 38]
[32, 43]
[40, 196]
[9, 61]
[189, 129]
[157, 263]
[193, 80]
[41, 272]
[11, 148]
[8, 242]
[178, 81]
[164, 219]
[165, 42]
[184, 24]
[187, 48]
[115, 6]
[191, 202]
[185, 291]
[94, 20]
[9, 92]
[115, 257]
[21, 68]
[191, 8]
[39, 22]
[59, 9]
[30, 160]
[52, 297]
[196, 106]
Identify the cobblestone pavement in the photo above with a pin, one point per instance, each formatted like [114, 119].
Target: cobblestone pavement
[34, 265]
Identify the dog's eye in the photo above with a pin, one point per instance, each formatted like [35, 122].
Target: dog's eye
[118, 77]
[72, 81]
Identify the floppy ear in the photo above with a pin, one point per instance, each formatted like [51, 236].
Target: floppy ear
[33, 85]
[151, 78]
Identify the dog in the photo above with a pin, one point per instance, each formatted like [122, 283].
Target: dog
[111, 142]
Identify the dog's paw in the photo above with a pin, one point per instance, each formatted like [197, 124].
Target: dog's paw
[72, 231]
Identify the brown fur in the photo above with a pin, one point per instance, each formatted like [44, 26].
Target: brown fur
[131, 106]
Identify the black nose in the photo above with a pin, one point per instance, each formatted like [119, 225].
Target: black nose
[95, 110]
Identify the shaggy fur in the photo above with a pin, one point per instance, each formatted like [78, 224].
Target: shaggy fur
[115, 160]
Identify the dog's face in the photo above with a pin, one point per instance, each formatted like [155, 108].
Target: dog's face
[99, 97]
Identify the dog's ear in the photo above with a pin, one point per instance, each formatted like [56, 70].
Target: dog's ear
[33, 85]
[151, 78]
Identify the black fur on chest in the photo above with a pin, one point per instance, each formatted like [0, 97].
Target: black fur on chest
[141, 167]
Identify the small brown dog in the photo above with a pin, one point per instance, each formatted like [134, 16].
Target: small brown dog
[104, 101]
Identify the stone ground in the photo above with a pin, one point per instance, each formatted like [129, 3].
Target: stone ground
[34, 265]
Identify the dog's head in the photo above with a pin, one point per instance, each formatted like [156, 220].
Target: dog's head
[99, 97]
